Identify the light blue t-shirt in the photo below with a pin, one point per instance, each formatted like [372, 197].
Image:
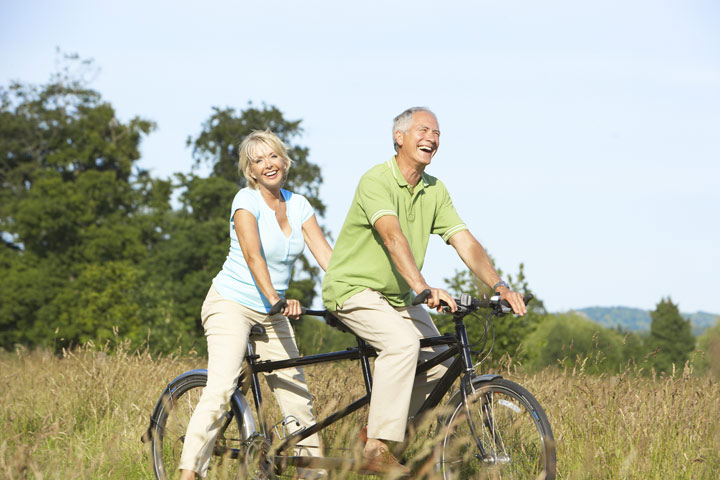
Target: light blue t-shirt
[235, 282]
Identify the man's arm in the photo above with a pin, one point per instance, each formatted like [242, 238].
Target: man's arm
[401, 256]
[475, 257]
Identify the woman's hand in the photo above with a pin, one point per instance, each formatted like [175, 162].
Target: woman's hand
[292, 309]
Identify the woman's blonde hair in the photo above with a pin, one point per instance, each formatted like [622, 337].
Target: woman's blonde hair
[247, 149]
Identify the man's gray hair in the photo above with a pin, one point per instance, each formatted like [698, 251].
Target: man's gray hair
[403, 121]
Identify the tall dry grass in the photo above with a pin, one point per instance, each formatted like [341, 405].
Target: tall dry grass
[80, 416]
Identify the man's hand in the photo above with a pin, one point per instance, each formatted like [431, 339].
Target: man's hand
[437, 294]
[514, 299]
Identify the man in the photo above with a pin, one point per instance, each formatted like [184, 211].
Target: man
[375, 267]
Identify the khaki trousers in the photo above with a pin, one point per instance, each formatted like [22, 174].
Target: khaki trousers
[395, 333]
[227, 329]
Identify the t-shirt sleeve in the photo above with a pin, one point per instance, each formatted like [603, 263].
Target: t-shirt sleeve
[306, 210]
[447, 222]
[245, 200]
[374, 199]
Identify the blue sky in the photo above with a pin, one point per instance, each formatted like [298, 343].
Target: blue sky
[581, 138]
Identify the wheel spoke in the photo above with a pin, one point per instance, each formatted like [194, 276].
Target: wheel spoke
[226, 461]
[510, 433]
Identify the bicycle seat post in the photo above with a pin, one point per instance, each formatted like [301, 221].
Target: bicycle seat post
[365, 364]
[252, 358]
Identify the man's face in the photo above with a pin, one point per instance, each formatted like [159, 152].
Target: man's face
[421, 142]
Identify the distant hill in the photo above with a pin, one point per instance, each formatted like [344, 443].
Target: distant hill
[635, 319]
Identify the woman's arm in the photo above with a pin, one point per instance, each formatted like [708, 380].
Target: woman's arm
[315, 240]
[246, 228]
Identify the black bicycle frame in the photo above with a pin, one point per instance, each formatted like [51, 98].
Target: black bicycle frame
[459, 348]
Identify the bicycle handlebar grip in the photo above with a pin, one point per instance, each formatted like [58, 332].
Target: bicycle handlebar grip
[528, 297]
[278, 307]
[526, 300]
[422, 297]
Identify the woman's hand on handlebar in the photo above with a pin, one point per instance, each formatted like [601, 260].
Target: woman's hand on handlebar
[515, 300]
[288, 307]
[293, 309]
[436, 296]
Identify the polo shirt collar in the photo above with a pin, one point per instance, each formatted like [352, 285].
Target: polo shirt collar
[392, 163]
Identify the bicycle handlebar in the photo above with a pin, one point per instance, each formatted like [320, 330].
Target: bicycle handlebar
[282, 303]
[466, 303]
[278, 307]
[473, 303]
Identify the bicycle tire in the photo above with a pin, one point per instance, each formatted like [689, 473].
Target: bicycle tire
[503, 433]
[169, 426]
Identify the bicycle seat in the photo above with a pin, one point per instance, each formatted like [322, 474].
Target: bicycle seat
[257, 330]
[335, 322]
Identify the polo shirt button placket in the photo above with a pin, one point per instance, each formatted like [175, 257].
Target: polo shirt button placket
[410, 209]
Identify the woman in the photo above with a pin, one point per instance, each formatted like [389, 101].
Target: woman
[269, 227]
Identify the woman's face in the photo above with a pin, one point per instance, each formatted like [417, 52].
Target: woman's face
[266, 166]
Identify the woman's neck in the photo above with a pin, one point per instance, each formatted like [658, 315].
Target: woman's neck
[271, 196]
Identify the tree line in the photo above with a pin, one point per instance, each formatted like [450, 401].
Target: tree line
[94, 248]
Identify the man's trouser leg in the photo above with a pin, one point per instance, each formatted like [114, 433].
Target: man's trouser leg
[424, 383]
[395, 334]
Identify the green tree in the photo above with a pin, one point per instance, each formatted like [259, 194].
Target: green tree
[670, 336]
[91, 245]
[73, 211]
[509, 330]
[708, 349]
[570, 340]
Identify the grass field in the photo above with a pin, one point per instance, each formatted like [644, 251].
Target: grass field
[81, 415]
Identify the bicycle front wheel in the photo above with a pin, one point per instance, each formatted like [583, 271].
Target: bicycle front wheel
[501, 432]
[172, 416]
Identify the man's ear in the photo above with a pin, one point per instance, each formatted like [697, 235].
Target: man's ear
[399, 137]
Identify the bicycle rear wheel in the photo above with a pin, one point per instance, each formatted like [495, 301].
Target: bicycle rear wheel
[502, 432]
[172, 415]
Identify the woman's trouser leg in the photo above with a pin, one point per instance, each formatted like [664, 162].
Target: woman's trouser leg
[227, 330]
[288, 385]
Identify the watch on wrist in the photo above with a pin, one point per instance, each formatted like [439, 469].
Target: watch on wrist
[501, 283]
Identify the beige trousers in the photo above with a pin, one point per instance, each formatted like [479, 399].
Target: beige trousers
[395, 333]
[227, 328]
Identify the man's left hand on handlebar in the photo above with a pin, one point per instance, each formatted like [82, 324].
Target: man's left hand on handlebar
[436, 296]
[514, 299]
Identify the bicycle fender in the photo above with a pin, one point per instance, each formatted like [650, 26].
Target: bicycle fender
[167, 393]
[239, 404]
[242, 410]
[477, 380]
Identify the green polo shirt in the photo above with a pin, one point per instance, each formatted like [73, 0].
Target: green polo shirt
[360, 259]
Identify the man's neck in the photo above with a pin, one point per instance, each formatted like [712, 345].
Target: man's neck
[412, 173]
